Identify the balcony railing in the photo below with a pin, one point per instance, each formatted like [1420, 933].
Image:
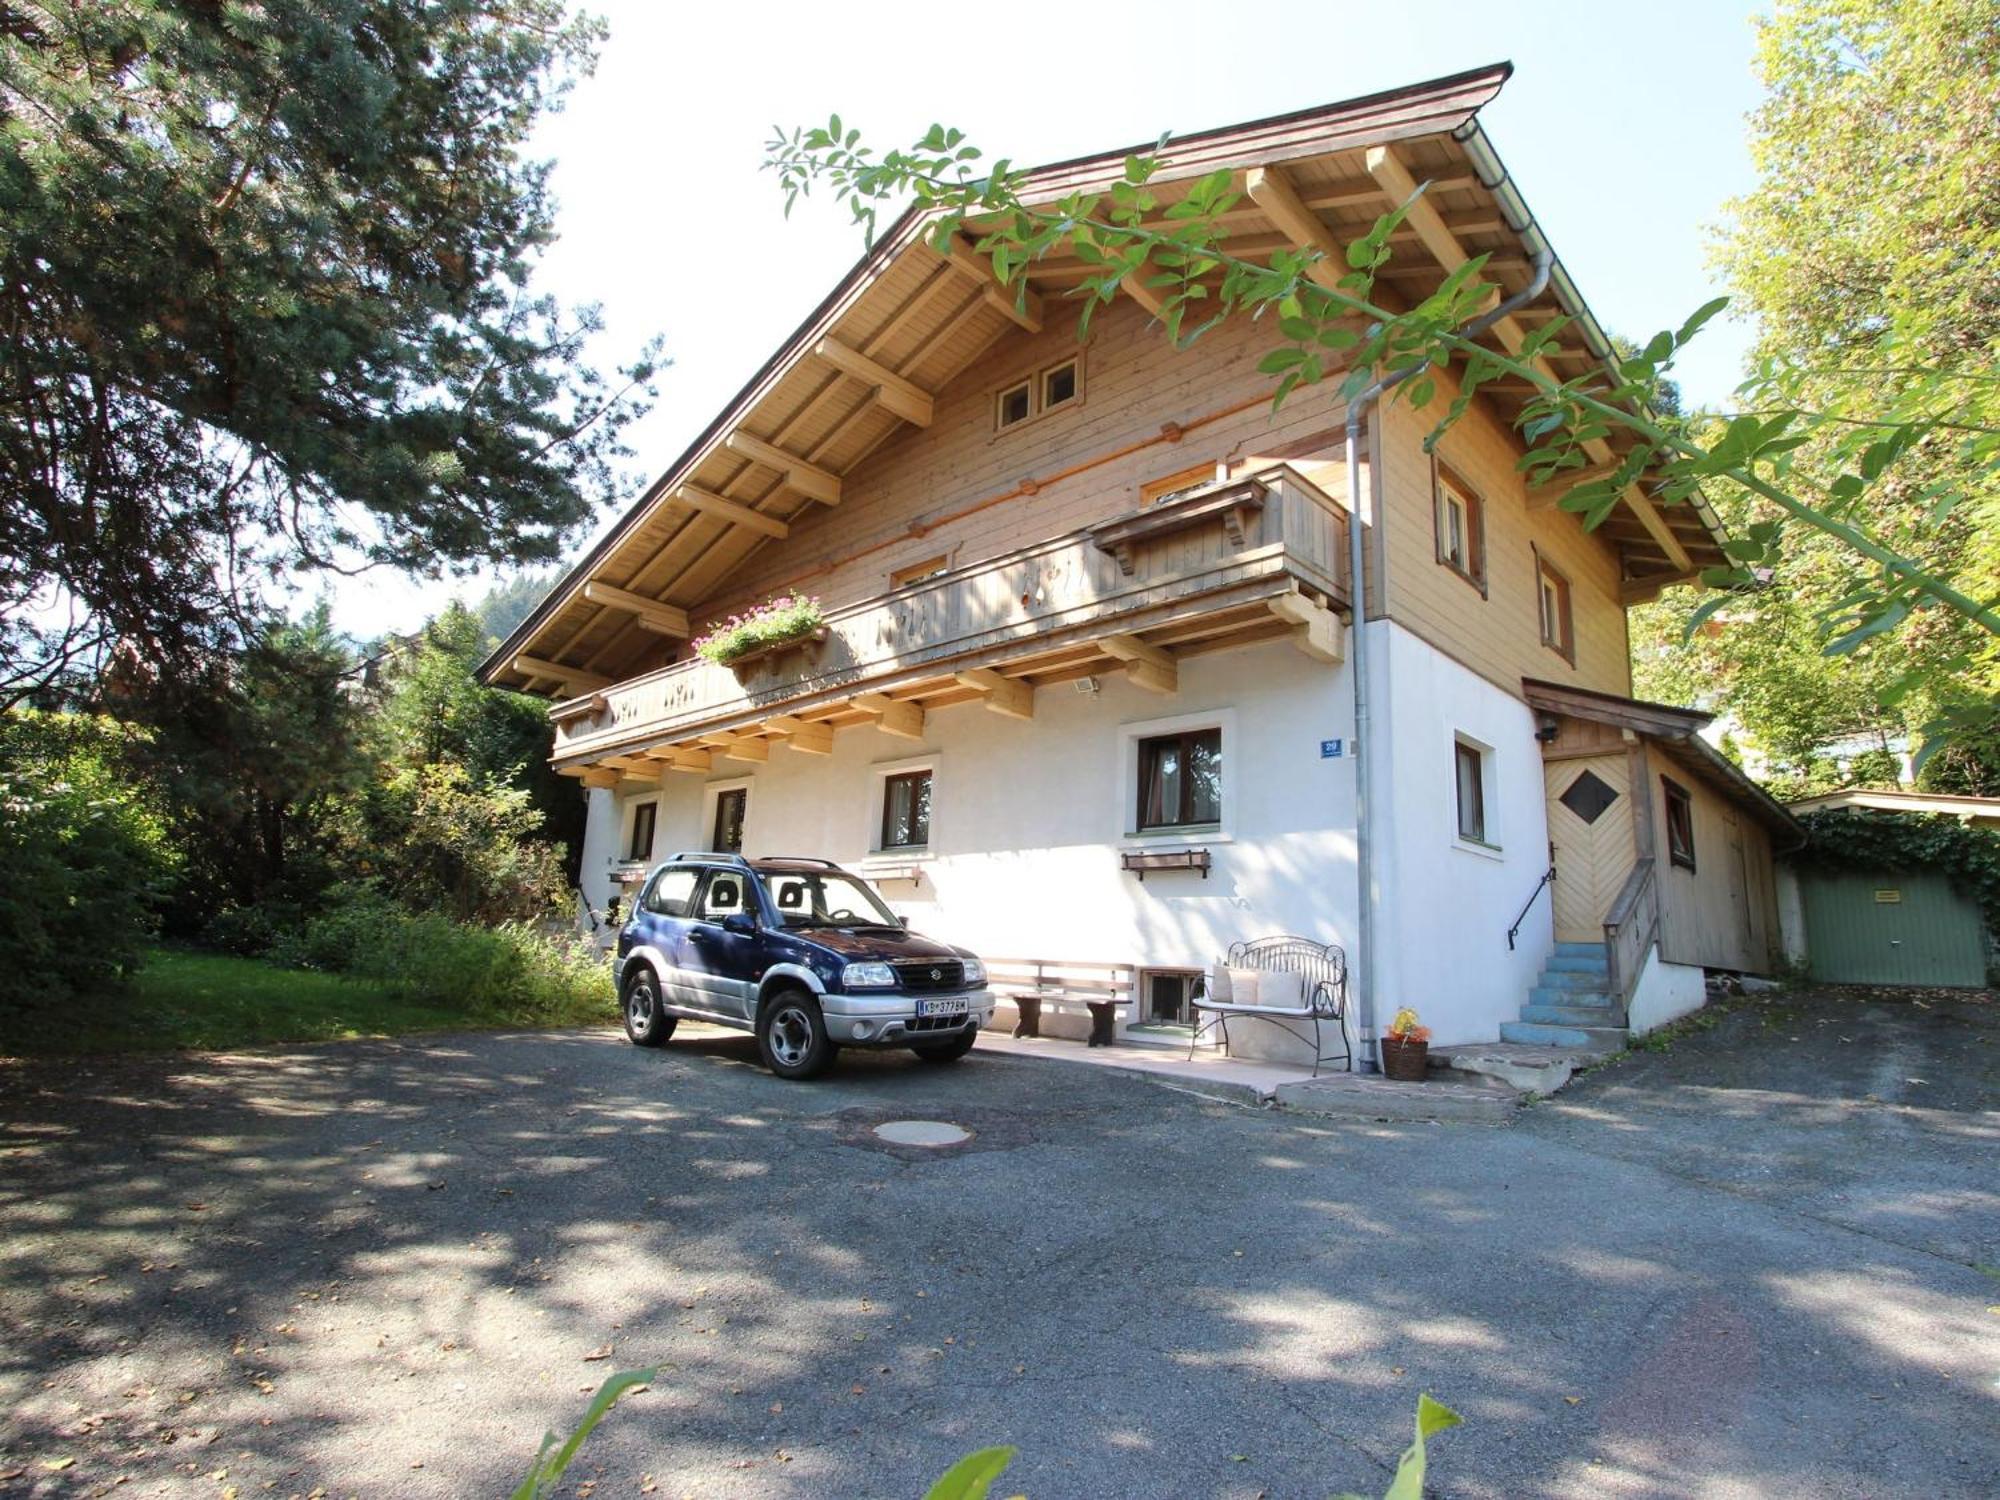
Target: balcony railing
[1215, 547]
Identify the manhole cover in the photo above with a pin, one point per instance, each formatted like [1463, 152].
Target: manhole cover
[923, 1133]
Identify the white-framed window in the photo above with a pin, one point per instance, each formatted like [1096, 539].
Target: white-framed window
[1475, 801]
[902, 811]
[1552, 601]
[1048, 389]
[725, 814]
[1461, 526]
[642, 822]
[1176, 777]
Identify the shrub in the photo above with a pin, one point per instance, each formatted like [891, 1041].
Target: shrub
[82, 859]
[439, 838]
[513, 972]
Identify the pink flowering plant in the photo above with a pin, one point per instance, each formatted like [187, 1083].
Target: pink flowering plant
[789, 617]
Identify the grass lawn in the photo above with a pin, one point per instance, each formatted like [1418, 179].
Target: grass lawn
[216, 1001]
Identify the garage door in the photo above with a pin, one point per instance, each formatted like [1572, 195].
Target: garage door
[1892, 929]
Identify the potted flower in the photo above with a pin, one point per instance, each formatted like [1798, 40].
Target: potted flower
[766, 627]
[1406, 1048]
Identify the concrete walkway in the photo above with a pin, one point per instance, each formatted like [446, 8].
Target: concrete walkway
[1354, 1096]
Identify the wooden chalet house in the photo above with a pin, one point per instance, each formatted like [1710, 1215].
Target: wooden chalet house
[1085, 692]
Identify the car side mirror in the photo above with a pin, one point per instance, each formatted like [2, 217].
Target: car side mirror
[739, 922]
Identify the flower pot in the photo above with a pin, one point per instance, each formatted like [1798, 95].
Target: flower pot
[1405, 1061]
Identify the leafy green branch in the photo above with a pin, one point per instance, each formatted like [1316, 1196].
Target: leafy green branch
[1332, 322]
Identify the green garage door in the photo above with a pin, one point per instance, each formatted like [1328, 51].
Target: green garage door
[1892, 929]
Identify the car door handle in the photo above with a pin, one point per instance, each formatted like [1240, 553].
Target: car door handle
[698, 935]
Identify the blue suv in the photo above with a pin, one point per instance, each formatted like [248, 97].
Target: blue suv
[797, 951]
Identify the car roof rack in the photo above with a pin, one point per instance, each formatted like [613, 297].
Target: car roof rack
[798, 859]
[713, 856]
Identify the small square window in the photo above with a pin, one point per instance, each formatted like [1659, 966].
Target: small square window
[645, 818]
[1180, 780]
[1059, 385]
[1469, 765]
[1015, 405]
[906, 810]
[1461, 528]
[1680, 823]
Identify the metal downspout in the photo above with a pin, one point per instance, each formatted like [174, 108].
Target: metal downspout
[1364, 749]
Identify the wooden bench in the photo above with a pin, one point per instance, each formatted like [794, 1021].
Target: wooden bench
[1035, 985]
[1321, 969]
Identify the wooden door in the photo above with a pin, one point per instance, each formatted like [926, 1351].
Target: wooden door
[1590, 831]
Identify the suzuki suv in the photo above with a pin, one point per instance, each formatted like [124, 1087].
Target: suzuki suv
[798, 952]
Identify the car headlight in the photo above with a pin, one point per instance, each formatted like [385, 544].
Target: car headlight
[868, 976]
[975, 971]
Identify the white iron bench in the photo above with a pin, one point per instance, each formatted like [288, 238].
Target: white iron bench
[1321, 969]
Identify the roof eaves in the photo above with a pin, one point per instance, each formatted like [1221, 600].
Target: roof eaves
[1435, 106]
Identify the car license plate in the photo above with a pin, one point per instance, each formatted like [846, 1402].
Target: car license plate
[941, 1007]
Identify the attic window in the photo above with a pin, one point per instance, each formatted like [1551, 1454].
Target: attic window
[1059, 385]
[1049, 389]
[1015, 405]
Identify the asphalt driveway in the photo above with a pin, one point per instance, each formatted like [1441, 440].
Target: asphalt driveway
[1764, 1263]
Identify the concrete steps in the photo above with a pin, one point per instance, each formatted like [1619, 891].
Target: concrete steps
[1570, 1006]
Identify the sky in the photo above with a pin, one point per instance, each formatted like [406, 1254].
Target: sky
[1623, 126]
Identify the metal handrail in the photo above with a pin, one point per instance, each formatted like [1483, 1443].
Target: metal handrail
[1548, 878]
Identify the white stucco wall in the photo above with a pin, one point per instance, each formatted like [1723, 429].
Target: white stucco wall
[1446, 906]
[1028, 818]
[1665, 992]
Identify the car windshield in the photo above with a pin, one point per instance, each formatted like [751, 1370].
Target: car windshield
[814, 898]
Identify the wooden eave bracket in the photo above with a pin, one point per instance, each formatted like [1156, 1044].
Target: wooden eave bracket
[593, 707]
[745, 747]
[892, 715]
[1235, 504]
[1316, 630]
[1272, 191]
[1002, 694]
[809, 738]
[733, 511]
[1146, 665]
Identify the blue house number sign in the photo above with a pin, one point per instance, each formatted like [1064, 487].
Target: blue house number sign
[1331, 749]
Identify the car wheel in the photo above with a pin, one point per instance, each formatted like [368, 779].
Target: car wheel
[951, 1051]
[646, 1023]
[791, 1036]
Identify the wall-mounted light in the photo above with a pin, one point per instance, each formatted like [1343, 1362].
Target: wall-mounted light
[1548, 729]
[1086, 684]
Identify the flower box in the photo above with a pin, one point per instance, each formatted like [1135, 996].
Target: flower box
[773, 626]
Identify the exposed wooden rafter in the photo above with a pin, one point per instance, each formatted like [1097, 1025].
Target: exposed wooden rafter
[1021, 304]
[661, 619]
[576, 682]
[1387, 169]
[732, 511]
[746, 747]
[808, 479]
[813, 739]
[904, 398]
[1317, 630]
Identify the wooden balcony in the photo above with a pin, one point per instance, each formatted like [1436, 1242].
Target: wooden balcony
[1221, 566]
